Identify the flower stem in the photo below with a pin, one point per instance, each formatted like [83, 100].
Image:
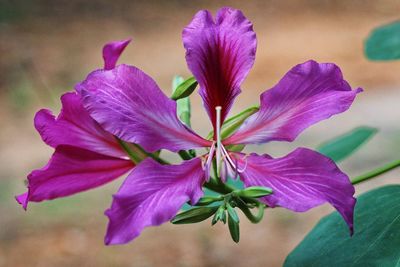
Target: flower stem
[151, 155]
[371, 174]
[135, 158]
[253, 218]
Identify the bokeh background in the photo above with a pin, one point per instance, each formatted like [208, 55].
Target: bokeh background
[48, 46]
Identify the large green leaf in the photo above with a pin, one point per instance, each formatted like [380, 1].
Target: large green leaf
[376, 240]
[384, 42]
[343, 146]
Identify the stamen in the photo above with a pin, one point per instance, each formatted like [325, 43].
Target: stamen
[245, 165]
[218, 130]
[207, 165]
[228, 157]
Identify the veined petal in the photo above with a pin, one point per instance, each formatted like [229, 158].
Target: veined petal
[300, 181]
[151, 195]
[220, 55]
[72, 170]
[112, 51]
[129, 104]
[75, 127]
[307, 94]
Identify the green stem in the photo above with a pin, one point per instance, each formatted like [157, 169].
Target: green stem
[218, 187]
[253, 218]
[376, 172]
[151, 155]
[128, 151]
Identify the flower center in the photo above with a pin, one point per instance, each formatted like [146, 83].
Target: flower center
[226, 165]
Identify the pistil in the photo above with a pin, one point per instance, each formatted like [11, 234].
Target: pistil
[218, 130]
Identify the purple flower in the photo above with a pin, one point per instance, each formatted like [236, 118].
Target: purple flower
[85, 155]
[130, 105]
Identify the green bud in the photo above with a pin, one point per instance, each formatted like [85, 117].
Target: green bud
[194, 215]
[220, 215]
[183, 102]
[234, 229]
[254, 192]
[184, 89]
[232, 213]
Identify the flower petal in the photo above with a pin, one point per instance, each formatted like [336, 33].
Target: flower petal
[307, 94]
[75, 127]
[72, 170]
[300, 181]
[130, 105]
[112, 51]
[220, 55]
[151, 195]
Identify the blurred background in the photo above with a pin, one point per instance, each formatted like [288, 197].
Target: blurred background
[48, 46]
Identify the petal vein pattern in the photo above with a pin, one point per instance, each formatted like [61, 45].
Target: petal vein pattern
[151, 195]
[75, 127]
[129, 104]
[307, 94]
[300, 181]
[72, 170]
[220, 55]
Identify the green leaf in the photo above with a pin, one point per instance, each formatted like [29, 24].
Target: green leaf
[194, 215]
[254, 192]
[384, 42]
[183, 88]
[233, 228]
[376, 240]
[343, 146]
[234, 122]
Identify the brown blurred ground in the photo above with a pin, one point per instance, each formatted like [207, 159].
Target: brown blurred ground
[48, 46]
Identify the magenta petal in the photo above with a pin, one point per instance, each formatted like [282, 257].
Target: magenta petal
[72, 170]
[75, 127]
[220, 55]
[112, 51]
[300, 181]
[130, 105]
[151, 195]
[307, 94]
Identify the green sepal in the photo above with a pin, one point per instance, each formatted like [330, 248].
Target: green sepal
[254, 192]
[194, 215]
[183, 89]
[233, 228]
[234, 122]
[220, 215]
[344, 145]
